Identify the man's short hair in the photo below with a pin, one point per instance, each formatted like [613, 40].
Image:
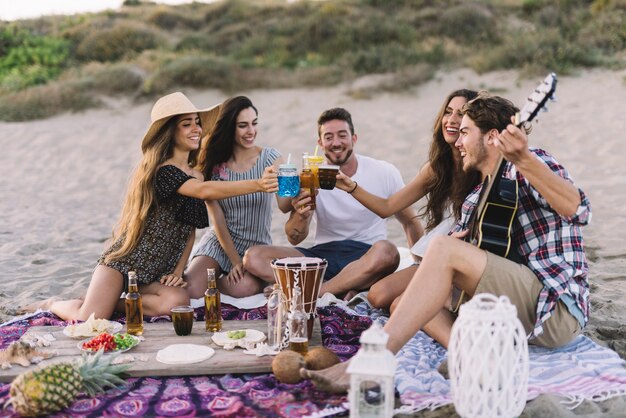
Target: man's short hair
[338, 113]
[490, 112]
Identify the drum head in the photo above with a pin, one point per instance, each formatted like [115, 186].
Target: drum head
[295, 262]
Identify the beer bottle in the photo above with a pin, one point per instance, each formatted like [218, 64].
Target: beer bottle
[134, 309]
[307, 180]
[212, 305]
[298, 332]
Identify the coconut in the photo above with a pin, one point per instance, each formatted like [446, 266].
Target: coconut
[319, 358]
[286, 366]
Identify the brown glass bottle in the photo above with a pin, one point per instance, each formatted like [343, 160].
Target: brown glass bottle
[307, 180]
[212, 304]
[134, 309]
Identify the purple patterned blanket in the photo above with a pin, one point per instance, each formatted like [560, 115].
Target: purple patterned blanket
[231, 395]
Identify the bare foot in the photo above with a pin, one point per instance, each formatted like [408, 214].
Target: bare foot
[333, 379]
[44, 305]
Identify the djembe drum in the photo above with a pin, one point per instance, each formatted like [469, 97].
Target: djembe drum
[306, 273]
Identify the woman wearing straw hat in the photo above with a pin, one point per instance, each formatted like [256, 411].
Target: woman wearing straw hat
[231, 153]
[163, 207]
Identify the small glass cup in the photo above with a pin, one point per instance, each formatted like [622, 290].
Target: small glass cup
[328, 176]
[315, 161]
[182, 318]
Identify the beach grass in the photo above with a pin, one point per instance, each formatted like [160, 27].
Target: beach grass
[147, 49]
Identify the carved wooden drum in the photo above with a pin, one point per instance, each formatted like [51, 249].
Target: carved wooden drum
[304, 272]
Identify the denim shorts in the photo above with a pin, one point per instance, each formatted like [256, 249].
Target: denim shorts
[338, 254]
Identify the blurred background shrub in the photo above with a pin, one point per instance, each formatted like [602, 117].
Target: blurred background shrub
[144, 49]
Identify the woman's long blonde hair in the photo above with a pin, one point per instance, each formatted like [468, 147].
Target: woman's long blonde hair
[140, 195]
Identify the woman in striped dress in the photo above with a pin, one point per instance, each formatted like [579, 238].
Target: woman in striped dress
[231, 154]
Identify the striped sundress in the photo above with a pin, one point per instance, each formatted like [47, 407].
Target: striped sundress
[248, 217]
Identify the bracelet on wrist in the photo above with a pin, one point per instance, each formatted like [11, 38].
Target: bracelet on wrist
[354, 188]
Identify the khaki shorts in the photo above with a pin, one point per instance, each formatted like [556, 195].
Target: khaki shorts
[522, 287]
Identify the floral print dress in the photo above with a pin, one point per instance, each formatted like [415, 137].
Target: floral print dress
[166, 231]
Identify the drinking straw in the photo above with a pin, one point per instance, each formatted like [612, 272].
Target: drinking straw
[288, 158]
[315, 153]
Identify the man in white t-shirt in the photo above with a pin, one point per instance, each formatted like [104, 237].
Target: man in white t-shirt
[346, 230]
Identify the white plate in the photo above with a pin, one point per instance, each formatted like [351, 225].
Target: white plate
[184, 354]
[115, 327]
[252, 337]
[80, 346]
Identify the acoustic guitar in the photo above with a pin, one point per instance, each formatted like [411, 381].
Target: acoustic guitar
[497, 206]
[492, 221]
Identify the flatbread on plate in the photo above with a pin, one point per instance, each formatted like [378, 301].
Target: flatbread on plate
[92, 327]
[184, 354]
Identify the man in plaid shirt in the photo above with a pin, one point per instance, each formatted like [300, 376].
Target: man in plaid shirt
[547, 277]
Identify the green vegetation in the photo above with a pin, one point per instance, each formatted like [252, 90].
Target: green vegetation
[59, 63]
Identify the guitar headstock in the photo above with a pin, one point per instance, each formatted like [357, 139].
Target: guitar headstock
[538, 99]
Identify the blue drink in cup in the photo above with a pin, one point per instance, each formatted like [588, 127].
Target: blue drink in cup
[288, 180]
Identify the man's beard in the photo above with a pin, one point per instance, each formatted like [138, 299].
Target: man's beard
[339, 162]
[481, 155]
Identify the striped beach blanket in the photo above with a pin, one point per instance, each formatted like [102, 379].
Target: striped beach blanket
[581, 370]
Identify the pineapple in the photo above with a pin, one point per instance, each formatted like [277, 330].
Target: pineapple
[50, 388]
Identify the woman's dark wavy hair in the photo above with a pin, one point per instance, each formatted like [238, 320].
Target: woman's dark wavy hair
[219, 145]
[449, 185]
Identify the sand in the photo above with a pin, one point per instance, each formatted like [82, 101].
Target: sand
[62, 179]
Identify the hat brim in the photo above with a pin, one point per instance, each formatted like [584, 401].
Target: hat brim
[208, 118]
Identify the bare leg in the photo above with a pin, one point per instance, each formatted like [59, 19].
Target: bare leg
[102, 296]
[196, 275]
[257, 260]
[447, 261]
[247, 286]
[386, 291]
[158, 299]
[381, 260]
[438, 328]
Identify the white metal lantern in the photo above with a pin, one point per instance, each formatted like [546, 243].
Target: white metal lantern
[372, 369]
[488, 359]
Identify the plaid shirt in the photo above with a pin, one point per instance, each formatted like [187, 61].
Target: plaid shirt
[551, 244]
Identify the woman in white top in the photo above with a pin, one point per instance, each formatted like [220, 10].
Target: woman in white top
[441, 178]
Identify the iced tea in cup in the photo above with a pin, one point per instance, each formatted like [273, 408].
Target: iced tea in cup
[182, 318]
[328, 176]
[314, 163]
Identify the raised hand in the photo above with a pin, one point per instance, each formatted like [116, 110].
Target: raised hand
[269, 181]
[513, 143]
[344, 182]
[301, 203]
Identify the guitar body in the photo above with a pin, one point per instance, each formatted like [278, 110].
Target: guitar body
[495, 222]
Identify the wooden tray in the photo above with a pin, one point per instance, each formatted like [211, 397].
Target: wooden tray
[161, 334]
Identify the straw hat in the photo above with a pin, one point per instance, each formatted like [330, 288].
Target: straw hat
[172, 105]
